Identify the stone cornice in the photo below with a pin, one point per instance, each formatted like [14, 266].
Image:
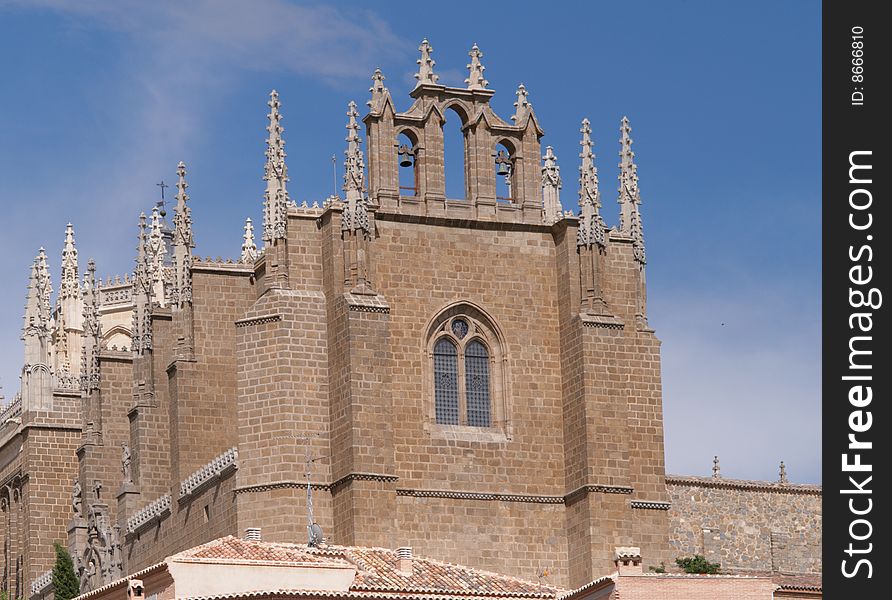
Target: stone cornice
[744, 484]
[326, 487]
[480, 496]
[259, 320]
[649, 505]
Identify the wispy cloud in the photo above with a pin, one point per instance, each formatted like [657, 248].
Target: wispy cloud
[737, 381]
[176, 59]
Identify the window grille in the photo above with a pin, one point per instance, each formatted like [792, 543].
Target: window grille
[446, 382]
[477, 384]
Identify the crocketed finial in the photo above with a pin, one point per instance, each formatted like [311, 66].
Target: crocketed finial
[522, 106]
[69, 286]
[629, 195]
[425, 74]
[377, 90]
[783, 473]
[249, 248]
[355, 215]
[475, 78]
[716, 469]
[181, 290]
[275, 173]
[591, 225]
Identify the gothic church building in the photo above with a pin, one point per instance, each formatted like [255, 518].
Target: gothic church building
[474, 377]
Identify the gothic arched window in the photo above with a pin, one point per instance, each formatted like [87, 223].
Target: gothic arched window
[469, 380]
[446, 381]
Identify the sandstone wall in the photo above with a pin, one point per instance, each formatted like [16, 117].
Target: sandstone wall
[747, 525]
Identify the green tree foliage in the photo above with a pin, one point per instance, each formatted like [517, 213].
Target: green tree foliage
[65, 583]
[698, 564]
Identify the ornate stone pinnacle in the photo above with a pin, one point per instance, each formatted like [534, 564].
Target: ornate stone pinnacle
[275, 173]
[716, 469]
[425, 74]
[629, 194]
[69, 286]
[377, 90]
[92, 331]
[551, 186]
[783, 473]
[249, 248]
[475, 79]
[181, 290]
[355, 215]
[522, 107]
[44, 290]
[591, 225]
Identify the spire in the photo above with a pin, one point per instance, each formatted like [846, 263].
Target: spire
[355, 214]
[425, 74]
[475, 79]
[249, 248]
[629, 195]
[716, 469]
[142, 293]
[182, 242]
[591, 225]
[783, 473]
[275, 173]
[156, 250]
[551, 187]
[92, 331]
[32, 306]
[522, 108]
[377, 90]
[69, 286]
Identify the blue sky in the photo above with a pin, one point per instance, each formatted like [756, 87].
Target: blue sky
[100, 99]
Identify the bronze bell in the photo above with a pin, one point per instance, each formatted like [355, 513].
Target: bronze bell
[405, 156]
[503, 163]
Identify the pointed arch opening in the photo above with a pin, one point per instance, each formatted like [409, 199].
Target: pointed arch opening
[407, 159]
[455, 153]
[468, 378]
[504, 165]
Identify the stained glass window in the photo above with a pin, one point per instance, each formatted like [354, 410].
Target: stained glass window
[460, 328]
[446, 382]
[477, 384]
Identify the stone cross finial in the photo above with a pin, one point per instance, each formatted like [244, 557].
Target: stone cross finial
[355, 215]
[275, 173]
[183, 243]
[591, 225]
[629, 194]
[69, 286]
[378, 90]
[551, 187]
[716, 469]
[475, 79]
[249, 248]
[522, 107]
[425, 74]
[783, 473]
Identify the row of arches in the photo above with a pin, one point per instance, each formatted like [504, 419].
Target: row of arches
[455, 152]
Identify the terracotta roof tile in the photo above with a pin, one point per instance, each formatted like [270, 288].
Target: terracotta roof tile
[377, 569]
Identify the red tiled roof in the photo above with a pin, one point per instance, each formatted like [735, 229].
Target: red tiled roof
[377, 569]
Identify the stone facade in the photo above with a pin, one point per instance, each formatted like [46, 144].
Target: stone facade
[218, 395]
[747, 525]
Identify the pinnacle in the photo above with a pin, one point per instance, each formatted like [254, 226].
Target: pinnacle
[425, 74]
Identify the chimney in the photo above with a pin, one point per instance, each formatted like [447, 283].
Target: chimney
[628, 560]
[252, 534]
[135, 590]
[404, 556]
